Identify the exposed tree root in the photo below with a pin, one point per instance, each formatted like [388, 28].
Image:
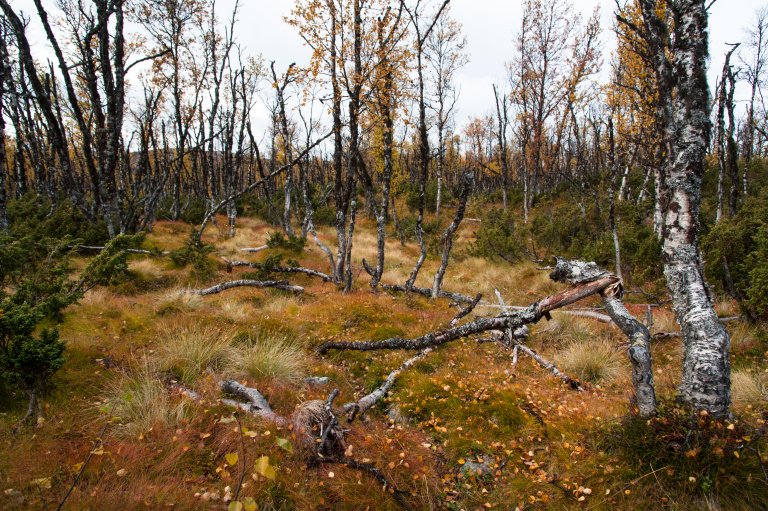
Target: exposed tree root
[316, 425]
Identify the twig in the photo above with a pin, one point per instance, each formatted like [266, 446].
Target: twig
[242, 458]
[86, 461]
[399, 495]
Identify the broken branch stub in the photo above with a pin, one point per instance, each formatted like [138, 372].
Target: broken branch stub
[639, 351]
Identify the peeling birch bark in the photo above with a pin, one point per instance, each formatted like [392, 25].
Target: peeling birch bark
[277, 284]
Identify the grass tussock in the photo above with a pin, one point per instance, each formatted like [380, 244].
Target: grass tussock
[594, 362]
[192, 350]
[272, 357]
[743, 338]
[748, 389]
[140, 402]
[179, 300]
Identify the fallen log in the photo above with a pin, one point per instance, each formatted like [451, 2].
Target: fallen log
[602, 318]
[253, 250]
[509, 320]
[277, 284]
[279, 269]
[127, 250]
[255, 403]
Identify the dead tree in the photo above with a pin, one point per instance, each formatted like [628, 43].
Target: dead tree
[422, 33]
[502, 118]
[447, 239]
[639, 351]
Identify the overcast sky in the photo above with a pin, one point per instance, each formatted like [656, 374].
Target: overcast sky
[489, 26]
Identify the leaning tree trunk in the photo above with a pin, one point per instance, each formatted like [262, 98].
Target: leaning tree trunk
[684, 102]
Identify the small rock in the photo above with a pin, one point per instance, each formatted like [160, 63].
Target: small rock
[476, 469]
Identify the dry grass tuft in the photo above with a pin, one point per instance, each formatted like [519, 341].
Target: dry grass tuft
[593, 362]
[189, 351]
[234, 310]
[140, 402]
[742, 337]
[149, 269]
[748, 389]
[179, 301]
[274, 357]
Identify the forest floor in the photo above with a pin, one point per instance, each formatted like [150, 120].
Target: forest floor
[462, 429]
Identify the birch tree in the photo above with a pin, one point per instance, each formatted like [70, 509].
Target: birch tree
[679, 52]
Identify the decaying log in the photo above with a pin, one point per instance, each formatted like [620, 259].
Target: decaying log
[639, 350]
[365, 403]
[277, 284]
[280, 269]
[253, 250]
[512, 320]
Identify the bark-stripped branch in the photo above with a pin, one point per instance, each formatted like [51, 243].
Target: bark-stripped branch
[277, 284]
[358, 408]
[466, 310]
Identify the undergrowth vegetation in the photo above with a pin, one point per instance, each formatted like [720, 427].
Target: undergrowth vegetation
[462, 429]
